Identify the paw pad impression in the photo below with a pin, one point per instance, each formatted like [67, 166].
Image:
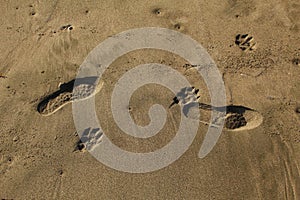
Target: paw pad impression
[245, 42]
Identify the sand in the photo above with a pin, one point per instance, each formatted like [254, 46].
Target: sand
[44, 43]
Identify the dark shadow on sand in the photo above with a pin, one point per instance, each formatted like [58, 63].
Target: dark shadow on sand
[228, 109]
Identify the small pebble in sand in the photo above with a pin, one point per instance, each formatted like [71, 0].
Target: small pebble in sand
[177, 26]
[60, 172]
[157, 11]
[296, 61]
[16, 138]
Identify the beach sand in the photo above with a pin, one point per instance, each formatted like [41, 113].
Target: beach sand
[39, 157]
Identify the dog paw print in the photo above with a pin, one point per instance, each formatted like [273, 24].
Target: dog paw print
[185, 96]
[90, 139]
[188, 98]
[245, 42]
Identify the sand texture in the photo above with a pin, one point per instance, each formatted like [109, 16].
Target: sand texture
[256, 47]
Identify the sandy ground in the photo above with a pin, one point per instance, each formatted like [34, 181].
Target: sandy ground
[38, 156]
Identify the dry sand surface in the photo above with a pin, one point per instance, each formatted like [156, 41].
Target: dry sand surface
[39, 157]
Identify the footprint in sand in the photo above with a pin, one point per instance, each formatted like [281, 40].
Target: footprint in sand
[237, 118]
[69, 92]
[245, 42]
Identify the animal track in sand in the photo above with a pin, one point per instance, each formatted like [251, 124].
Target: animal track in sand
[185, 96]
[68, 92]
[188, 98]
[90, 139]
[245, 42]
